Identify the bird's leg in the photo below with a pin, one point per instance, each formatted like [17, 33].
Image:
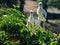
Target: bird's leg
[38, 18]
[44, 25]
[27, 24]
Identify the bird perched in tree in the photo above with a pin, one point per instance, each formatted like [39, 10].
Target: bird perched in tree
[32, 20]
[42, 14]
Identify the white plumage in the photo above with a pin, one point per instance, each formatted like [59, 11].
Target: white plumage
[32, 20]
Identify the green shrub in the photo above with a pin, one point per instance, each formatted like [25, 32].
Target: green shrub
[13, 31]
[11, 21]
[12, 43]
[3, 37]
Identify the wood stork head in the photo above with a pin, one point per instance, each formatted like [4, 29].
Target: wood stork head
[40, 5]
[31, 12]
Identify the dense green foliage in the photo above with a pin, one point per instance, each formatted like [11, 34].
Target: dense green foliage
[11, 21]
[14, 32]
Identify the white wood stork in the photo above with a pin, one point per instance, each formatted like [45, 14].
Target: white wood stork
[30, 18]
[42, 14]
[33, 20]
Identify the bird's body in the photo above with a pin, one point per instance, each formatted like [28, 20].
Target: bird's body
[41, 14]
[32, 20]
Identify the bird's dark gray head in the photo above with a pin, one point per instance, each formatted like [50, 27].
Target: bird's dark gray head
[40, 4]
[31, 11]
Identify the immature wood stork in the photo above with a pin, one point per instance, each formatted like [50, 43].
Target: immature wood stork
[33, 20]
[30, 18]
[42, 14]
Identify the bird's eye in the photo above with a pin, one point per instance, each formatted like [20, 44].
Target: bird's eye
[40, 4]
[31, 12]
